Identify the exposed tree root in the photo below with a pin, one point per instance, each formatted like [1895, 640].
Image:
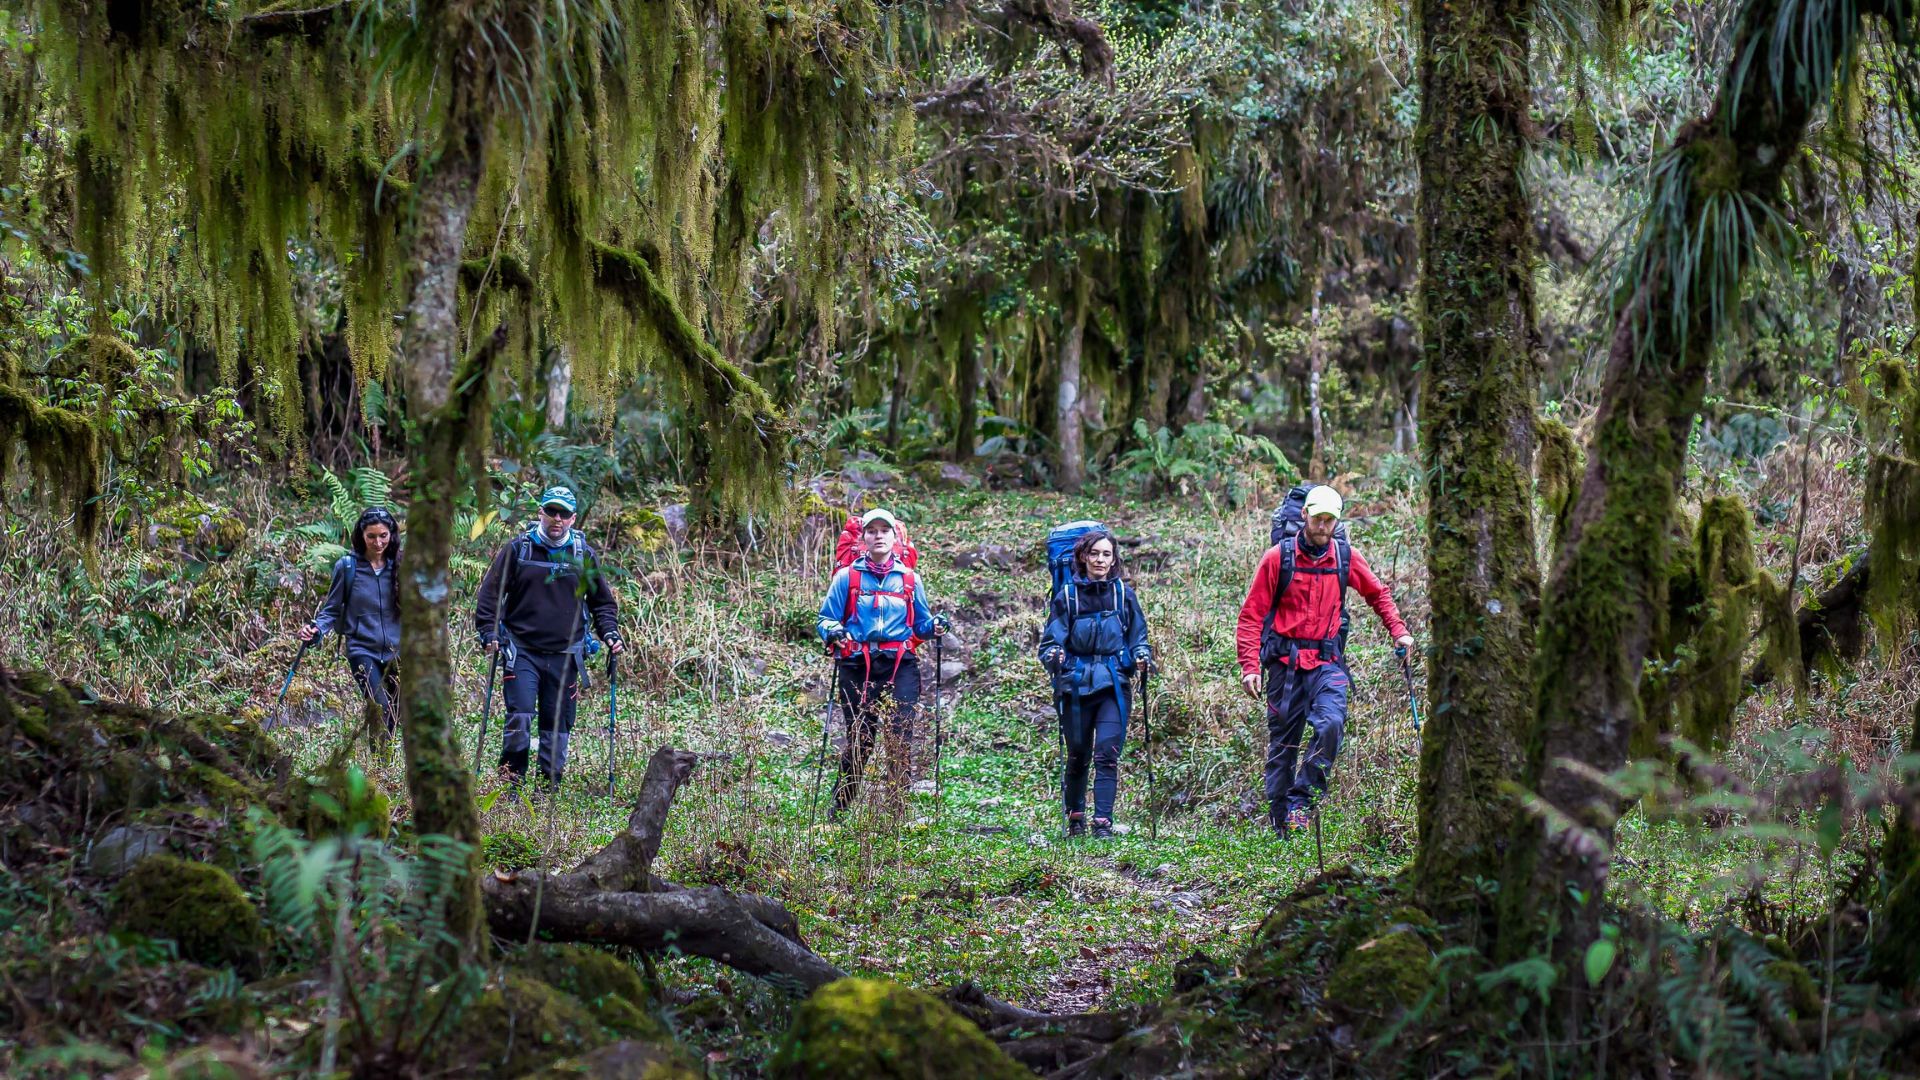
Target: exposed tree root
[614, 898]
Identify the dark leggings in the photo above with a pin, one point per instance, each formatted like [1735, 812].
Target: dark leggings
[870, 692]
[379, 683]
[1095, 730]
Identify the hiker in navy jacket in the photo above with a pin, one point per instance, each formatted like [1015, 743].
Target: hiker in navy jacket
[363, 607]
[1290, 635]
[530, 605]
[1095, 638]
[873, 615]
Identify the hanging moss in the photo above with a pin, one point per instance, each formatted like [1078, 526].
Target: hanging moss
[1557, 466]
[63, 449]
[1715, 592]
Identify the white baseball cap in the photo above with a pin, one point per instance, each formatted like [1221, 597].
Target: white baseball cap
[872, 516]
[1323, 500]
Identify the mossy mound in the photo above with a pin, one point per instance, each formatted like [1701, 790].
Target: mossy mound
[195, 528]
[69, 755]
[605, 984]
[626, 1060]
[339, 799]
[1382, 978]
[518, 1025]
[639, 528]
[198, 907]
[855, 1028]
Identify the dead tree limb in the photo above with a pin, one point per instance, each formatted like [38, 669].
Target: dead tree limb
[614, 898]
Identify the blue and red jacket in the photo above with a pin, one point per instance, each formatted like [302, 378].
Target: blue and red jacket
[1310, 610]
[888, 612]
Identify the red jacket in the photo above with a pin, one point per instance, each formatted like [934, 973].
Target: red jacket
[1311, 607]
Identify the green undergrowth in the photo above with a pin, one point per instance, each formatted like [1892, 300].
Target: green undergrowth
[979, 885]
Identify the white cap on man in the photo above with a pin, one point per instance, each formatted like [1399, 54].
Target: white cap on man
[1323, 500]
[874, 515]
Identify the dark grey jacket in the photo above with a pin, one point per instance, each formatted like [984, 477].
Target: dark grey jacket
[363, 606]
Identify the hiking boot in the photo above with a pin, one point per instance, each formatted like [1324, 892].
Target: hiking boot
[1298, 821]
[1076, 824]
[1102, 828]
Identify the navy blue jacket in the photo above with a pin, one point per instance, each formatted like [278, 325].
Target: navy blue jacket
[1101, 627]
[363, 606]
[544, 588]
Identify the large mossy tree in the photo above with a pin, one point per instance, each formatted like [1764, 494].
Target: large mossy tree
[1479, 347]
[485, 176]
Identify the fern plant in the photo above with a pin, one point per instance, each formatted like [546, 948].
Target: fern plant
[370, 912]
[1209, 457]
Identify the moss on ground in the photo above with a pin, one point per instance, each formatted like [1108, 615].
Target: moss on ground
[198, 907]
[855, 1028]
[605, 984]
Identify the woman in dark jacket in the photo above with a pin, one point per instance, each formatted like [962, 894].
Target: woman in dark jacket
[1096, 636]
[363, 607]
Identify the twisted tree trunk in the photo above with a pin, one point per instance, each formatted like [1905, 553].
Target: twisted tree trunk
[1479, 342]
[1069, 419]
[1608, 580]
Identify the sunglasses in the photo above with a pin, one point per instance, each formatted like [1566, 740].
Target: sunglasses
[556, 511]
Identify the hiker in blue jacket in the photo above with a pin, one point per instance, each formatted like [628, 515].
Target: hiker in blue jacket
[1095, 639]
[874, 614]
[363, 607]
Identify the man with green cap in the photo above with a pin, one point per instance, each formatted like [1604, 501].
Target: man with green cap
[1291, 638]
[530, 605]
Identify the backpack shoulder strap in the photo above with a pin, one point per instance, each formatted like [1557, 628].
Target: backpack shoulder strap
[853, 593]
[1286, 546]
[1342, 562]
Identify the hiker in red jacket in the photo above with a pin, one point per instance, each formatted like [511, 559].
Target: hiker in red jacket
[1290, 634]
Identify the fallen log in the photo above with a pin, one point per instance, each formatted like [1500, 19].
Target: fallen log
[614, 898]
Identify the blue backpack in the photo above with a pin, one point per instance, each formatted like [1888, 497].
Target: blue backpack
[1060, 543]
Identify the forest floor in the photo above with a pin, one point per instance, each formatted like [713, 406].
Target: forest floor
[979, 883]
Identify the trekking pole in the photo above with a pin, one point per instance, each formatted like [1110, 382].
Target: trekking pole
[279, 703]
[826, 737]
[1413, 702]
[1146, 721]
[486, 713]
[938, 796]
[1319, 856]
[613, 710]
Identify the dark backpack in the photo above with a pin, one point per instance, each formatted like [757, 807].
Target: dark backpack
[1284, 533]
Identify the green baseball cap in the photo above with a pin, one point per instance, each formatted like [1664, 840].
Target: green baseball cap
[559, 496]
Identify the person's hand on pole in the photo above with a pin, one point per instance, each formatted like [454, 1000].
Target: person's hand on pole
[1250, 682]
[1143, 659]
[941, 624]
[1402, 643]
[615, 646]
[307, 632]
[490, 646]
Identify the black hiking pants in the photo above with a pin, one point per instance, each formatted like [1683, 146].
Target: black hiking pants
[869, 692]
[1310, 704]
[379, 682]
[543, 687]
[1095, 729]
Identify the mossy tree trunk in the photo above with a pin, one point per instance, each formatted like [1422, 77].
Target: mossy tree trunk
[966, 393]
[1608, 583]
[448, 409]
[1068, 417]
[1479, 342]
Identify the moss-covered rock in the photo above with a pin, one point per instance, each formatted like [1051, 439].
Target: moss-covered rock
[857, 1028]
[1798, 989]
[626, 1060]
[195, 528]
[198, 907]
[517, 1025]
[1382, 977]
[639, 528]
[601, 981]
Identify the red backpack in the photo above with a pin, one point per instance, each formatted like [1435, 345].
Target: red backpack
[845, 550]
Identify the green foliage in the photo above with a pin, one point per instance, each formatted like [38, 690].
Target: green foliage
[194, 905]
[1207, 457]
